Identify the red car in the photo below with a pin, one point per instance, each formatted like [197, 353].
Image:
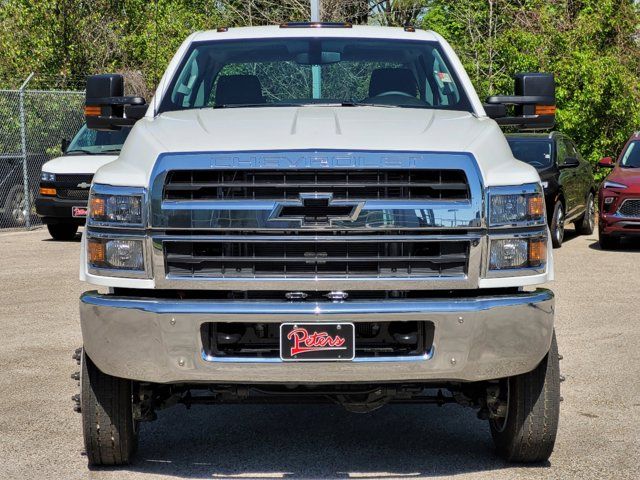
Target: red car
[619, 196]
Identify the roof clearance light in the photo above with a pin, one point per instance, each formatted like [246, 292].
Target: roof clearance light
[316, 25]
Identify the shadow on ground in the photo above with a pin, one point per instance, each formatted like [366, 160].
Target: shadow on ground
[315, 442]
[627, 244]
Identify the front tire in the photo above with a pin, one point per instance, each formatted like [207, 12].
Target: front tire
[557, 225]
[586, 224]
[110, 433]
[528, 432]
[16, 207]
[62, 231]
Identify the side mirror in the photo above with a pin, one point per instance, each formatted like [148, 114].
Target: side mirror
[533, 105]
[570, 162]
[64, 145]
[606, 162]
[496, 110]
[106, 107]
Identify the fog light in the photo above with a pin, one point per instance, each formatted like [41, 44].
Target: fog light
[509, 253]
[125, 254]
[513, 253]
[116, 254]
[608, 200]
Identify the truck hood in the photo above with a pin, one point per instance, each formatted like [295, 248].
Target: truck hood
[317, 127]
[77, 164]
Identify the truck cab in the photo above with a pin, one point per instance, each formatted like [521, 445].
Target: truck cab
[65, 181]
[322, 212]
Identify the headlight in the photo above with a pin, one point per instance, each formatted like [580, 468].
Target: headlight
[119, 254]
[610, 184]
[510, 253]
[516, 206]
[115, 206]
[47, 177]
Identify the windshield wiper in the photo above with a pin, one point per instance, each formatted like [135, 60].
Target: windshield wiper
[80, 150]
[353, 103]
[251, 105]
[630, 166]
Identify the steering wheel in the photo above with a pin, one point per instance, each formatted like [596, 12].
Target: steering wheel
[395, 92]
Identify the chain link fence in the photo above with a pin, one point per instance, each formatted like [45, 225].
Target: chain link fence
[33, 124]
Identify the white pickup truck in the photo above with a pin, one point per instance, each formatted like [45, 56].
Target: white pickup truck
[318, 213]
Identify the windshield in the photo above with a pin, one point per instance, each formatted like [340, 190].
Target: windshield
[535, 152]
[303, 71]
[631, 156]
[96, 142]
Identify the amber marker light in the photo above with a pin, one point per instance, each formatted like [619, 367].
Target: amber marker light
[96, 252]
[92, 111]
[47, 191]
[545, 109]
[96, 207]
[536, 206]
[537, 251]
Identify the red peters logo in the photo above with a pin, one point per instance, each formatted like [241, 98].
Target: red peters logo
[303, 342]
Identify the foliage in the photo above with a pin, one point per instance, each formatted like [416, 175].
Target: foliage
[592, 46]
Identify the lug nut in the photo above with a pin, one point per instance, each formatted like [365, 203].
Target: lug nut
[560, 357]
[75, 376]
[562, 378]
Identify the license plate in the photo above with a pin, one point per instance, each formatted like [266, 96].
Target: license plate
[309, 342]
[78, 212]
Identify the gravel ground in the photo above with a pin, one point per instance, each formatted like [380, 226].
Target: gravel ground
[598, 299]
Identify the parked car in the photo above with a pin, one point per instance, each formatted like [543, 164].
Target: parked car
[567, 179]
[619, 196]
[14, 210]
[65, 181]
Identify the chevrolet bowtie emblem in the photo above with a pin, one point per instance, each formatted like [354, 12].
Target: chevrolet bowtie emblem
[316, 209]
[84, 185]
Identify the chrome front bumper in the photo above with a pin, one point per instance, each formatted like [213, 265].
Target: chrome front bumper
[158, 340]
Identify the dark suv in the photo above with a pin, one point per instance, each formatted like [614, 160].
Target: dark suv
[567, 178]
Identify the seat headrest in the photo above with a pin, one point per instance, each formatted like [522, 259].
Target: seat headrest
[392, 79]
[238, 89]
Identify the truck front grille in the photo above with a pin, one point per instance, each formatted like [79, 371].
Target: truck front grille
[261, 340]
[68, 186]
[432, 184]
[284, 258]
[73, 193]
[630, 208]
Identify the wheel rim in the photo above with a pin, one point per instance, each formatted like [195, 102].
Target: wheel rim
[559, 224]
[18, 211]
[499, 424]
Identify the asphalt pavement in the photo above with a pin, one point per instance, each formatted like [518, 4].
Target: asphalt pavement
[598, 330]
